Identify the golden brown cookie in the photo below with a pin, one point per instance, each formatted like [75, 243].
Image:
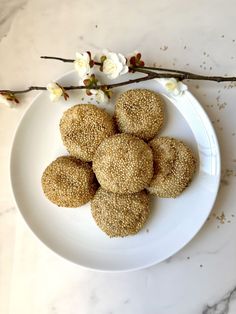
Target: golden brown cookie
[69, 182]
[174, 167]
[83, 128]
[120, 215]
[139, 112]
[123, 164]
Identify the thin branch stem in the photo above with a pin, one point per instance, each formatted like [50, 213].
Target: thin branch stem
[31, 88]
[57, 58]
[136, 68]
[148, 77]
[163, 70]
[151, 73]
[109, 86]
[99, 63]
[63, 59]
[185, 75]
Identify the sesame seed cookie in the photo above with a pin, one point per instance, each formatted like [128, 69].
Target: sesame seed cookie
[139, 112]
[69, 182]
[174, 167]
[83, 128]
[123, 164]
[120, 215]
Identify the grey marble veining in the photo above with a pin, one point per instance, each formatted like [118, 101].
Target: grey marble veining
[222, 306]
[8, 11]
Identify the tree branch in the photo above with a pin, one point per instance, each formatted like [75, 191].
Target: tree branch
[57, 58]
[136, 68]
[164, 70]
[148, 77]
[63, 59]
[151, 73]
[185, 75]
[31, 88]
[109, 86]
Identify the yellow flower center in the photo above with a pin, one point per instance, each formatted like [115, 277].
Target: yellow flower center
[81, 63]
[109, 66]
[171, 86]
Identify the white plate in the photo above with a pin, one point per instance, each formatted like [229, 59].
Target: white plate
[72, 233]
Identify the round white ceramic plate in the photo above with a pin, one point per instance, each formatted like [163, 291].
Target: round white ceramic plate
[71, 232]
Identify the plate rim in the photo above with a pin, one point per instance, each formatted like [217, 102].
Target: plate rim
[128, 269]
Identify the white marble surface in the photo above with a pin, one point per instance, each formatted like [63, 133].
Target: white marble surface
[193, 35]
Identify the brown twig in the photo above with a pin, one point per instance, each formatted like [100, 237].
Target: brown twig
[185, 75]
[138, 69]
[149, 76]
[31, 88]
[151, 73]
[63, 59]
[108, 86]
[57, 58]
[164, 70]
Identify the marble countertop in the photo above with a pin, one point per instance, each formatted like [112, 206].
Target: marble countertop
[198, 36]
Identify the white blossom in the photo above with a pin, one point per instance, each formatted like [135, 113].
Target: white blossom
[100, 96]
[173, 86]
[114, 65]
[82, 65]
[5, 102]
[55, 91]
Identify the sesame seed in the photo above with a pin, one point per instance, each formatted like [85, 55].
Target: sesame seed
[83, 128]
[120, 215]
[123, 164]
[174, 166]
[69, 182]
[139, 112]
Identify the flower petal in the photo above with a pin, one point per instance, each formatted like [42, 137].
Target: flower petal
[93, 91]
[101, 97]
[5, 102]
[113, 56]
[124, 70]
[114, 65]
[78, 55]
[172, 86]
[55, 91]
[122, 59]
[82, 64]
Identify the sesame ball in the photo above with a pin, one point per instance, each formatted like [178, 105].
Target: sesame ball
[174, 167]
[123, 164]
[139, 112]
[69, 182]
[120, 215]
[83, 128]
